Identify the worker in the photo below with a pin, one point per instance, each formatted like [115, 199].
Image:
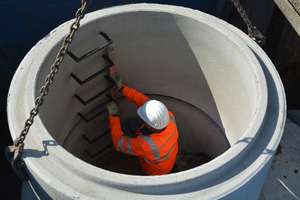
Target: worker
[155, 142]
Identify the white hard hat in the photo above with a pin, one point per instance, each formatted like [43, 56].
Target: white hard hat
[155, 114]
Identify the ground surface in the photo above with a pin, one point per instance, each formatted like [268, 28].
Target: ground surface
[283, 180]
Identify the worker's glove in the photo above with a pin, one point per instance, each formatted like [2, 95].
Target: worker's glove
[111, 108]
[118, 81]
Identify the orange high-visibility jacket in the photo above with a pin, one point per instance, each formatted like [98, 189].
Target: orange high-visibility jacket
[157, 151]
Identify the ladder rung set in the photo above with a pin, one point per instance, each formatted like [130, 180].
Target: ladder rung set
[105, 91]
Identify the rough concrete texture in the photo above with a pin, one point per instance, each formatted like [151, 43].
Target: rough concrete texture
[283, 178]
[215, 72]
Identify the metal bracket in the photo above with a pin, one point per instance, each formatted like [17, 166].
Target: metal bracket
[257, 37]
[14, 157]
[99, 152]
[87, 120]
[111, 98]
[97, 138]
[94, 97]
[109, 41]
[109, 79]
[111, 64]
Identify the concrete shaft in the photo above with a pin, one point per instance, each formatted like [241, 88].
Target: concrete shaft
[225, 93]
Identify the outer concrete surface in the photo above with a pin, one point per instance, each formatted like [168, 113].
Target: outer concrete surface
[237, 173]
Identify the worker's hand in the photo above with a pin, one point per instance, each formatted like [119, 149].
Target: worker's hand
[118, 81]
[111, 108]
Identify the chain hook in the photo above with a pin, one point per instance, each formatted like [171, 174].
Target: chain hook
[257, 37]
[254, 34]
[14, 156]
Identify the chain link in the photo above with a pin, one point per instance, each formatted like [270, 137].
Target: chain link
[252, 30]
[53, 70]
[243, 14]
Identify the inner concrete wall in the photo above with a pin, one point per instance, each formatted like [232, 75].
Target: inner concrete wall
[202, 75]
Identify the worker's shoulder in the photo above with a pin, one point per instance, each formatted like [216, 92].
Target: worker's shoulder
[171, 114]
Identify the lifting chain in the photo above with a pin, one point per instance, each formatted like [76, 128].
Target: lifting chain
[252, 30]
[14, 153]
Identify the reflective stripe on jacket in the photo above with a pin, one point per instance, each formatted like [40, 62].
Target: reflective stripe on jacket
[157, 151]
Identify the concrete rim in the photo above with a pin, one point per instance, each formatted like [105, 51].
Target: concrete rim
[122, 181]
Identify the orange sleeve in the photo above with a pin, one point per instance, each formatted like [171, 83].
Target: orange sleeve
[115, 129]
[134, 96]
[123, 143]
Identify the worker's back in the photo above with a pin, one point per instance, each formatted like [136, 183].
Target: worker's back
[160, 149]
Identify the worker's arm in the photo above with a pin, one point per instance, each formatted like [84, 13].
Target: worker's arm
[122, 143]
[135, 96]
[131, 94]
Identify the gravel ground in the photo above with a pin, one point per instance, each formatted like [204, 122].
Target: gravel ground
[283, 178]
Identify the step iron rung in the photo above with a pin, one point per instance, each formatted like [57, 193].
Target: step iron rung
[97, 138]
[99, 152]
[94, 97]
[109, 41]
[87, 120]
[111, 64]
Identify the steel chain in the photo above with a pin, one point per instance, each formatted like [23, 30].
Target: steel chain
[243, 14]
[252, 30]
[53, 70]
